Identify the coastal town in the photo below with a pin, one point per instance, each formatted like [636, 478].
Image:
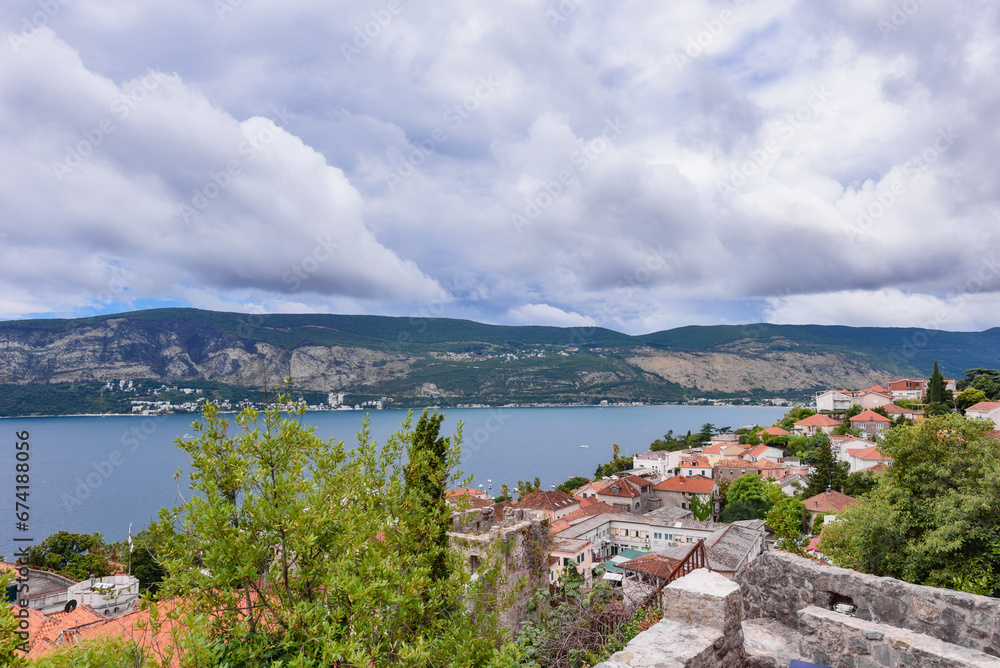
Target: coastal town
[723, 501]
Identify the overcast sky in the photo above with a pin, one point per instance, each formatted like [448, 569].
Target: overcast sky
[524, 162]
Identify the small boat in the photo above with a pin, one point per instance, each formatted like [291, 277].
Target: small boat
[489, 480]
[584, 446]
[480, 484]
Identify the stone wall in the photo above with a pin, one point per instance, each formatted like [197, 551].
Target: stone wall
[778, 585]
[520, 541]
[701, 627]
[834, 639]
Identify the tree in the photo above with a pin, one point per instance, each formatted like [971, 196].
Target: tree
[932, 519]
[304, 551]
[860, 483]
[827, 472]
[970, 396]
[794, 414]
[10, 655]
[937, 393]
[785, 520]
[702, 506]
[750, 490]
[737, 511]
[77, 555]
[572, 484]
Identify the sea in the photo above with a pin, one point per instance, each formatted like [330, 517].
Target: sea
[102, 474]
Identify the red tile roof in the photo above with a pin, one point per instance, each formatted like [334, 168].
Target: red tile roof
[735, 463]
[773, 431]
[627, 487]
[870, 416]
[817, 421]
[829, 501]
[696, 462]
[547, 500]
[984, 406]
[654, 564]
[868, 453]
[696, 484]
[876, 388]
[767, 464]
[877, 468]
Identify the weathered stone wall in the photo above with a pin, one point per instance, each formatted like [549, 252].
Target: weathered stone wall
[701, 627]
[834, 639]
[777, 585]
[520, 541]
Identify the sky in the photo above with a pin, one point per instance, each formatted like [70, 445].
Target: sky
[570, 163]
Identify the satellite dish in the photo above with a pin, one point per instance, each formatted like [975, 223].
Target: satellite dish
[70, 605]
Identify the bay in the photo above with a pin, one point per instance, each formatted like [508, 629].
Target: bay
[100, 473]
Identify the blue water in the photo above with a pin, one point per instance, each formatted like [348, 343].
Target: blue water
[101, 473]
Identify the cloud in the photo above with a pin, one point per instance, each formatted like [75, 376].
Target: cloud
[147, 184]
[544, 314]
[638, 167]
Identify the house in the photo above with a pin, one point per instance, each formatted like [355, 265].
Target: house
[554, 503]
[653, 461]
[834, 400]
[680, 490]
[984, 410]
[763, 452]
[865, 458]
[871, 424]
[469, 492]
[772, 431]
[830, 502]
[629, 493]
[839, 445]
[737, 544]
[907, 388]
[731, 469]
[564, 552]
[815, 424]
[696, 466]
[725, 439]
[792, 483]
[877, 388]
[911, 414]
[769, 469]
[871, 399]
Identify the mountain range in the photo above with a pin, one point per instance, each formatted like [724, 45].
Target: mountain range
[420, 361]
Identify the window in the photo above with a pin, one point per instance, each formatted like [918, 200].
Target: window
[689, 539]
[565, 561]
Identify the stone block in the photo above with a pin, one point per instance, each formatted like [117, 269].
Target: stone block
[704, 598]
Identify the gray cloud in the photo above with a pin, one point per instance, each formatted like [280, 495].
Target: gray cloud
[779, 160]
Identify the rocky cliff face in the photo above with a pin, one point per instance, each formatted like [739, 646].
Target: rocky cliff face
[119, 348]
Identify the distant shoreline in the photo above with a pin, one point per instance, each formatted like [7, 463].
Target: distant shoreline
[401, 408]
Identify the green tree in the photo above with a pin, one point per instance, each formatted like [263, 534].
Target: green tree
[860, 483]
[702, 506]
[785, 521]
[303, 551]
[572, 484]
[750, 490]
[425, 479]
[737, 511]
[932, 519]
[77, 555]
[937, 394]
[827, 472]
[794, 414]
[10, 655]
[970, 396]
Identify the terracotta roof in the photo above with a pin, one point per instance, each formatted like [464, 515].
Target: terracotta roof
[773, 431]
[767, 464]
[623, 487]
[829, 501]
[893, 409]
[870, 416]
[547, 500]
[876, 388]
[657, 565]
[469, 501]
[736, 463]
[817, 421]
[867, 453]
[465, 492]
[589, 510]
[984, 406]
[757, 451]
[696, 462]
[696, 484]
[877, 468]
[712, 450]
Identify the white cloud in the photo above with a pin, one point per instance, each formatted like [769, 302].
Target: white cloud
[544, 314]
[832, 127]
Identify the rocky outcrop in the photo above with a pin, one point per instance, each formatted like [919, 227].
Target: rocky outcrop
[118, 348]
